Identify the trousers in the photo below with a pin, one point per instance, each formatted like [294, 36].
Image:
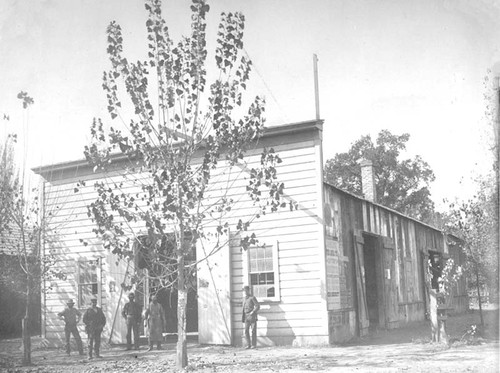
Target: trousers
[72, 329]
[251, 327]
[132, 327]
[94, 341]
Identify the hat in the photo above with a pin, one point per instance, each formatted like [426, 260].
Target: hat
[93, 300]
[246, 287]
[131, 295]
[70, 301]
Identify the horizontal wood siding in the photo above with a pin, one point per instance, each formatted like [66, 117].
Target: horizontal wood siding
[299, 317]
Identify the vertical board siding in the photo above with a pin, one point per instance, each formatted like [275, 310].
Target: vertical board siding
[409, 240]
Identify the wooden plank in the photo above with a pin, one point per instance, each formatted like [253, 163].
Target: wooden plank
[214, 294]
[362, 307]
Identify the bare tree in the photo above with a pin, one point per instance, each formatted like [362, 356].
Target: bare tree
[22, 226]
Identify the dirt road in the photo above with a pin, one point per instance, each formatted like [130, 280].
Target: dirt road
[402, 350]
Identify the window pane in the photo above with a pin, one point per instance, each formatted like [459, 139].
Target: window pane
[260, 266]
[268, 265]
[254, 279]
[270, 278]
[253, 265]
[262, 278]
[87, 271]
[85, 294]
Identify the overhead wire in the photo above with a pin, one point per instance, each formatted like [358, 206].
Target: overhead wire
[282, 112]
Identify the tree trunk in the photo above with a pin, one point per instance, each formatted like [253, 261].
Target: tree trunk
[25, 329]
[182, 359]
[479, 296]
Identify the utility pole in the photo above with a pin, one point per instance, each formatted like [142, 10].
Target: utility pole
[316, 85]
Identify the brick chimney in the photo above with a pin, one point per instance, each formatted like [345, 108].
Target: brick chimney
[368, 180]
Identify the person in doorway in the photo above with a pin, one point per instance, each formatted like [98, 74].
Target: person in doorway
[132, 314]
[155, 316]
[94, 321]
[249, 317]
[71, 317]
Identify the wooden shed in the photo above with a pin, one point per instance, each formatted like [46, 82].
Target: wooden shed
[333, 269]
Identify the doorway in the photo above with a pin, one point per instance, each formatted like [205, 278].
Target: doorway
[436, 267]
[165, 288]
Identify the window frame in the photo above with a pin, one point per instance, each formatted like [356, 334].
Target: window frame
[85, 261]
[247, 273]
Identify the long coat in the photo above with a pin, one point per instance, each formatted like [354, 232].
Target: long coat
[155, 315]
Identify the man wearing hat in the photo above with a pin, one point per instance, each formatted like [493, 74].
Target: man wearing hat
[249, 317]
[132, 314]
[71, 317]
[94, 321]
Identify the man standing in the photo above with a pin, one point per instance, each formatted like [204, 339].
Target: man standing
[94, 321]
[155, 316]
[71, 317]
[132, 313]
[249, 317]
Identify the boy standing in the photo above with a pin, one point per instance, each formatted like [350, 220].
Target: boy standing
[249, 317]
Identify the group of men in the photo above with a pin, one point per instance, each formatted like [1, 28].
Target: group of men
[94, 321]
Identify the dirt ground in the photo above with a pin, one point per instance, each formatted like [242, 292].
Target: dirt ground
[403, 350]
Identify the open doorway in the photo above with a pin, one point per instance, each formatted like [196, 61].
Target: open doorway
[436, 267]
[373, 294]
[158, 264]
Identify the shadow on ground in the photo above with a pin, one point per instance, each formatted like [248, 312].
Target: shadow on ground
[406, 349]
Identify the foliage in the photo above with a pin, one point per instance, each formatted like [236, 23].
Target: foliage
[9, 179]
[401, 184]
[21, 228]
[180, 161]
[450, 275]
[476, 222]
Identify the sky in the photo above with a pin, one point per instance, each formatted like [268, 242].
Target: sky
[416, 67]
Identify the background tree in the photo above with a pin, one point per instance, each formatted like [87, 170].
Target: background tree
[182, 161]
[22, 225]
[476, 223]
[401, 184]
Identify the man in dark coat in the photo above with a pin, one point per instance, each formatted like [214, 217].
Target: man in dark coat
[94, 321]
[249, 317]
[71, 317]
[132, 314]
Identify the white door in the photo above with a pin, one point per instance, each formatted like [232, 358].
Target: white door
[214, 292]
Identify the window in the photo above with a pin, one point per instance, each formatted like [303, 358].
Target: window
[89, 284]
[263, 272]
